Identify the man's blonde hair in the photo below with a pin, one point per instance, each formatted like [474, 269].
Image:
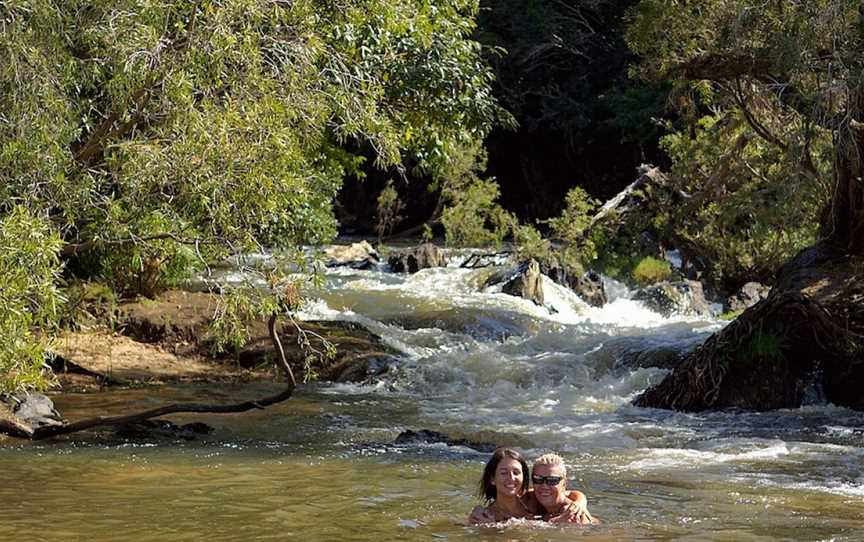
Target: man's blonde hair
[553, 460]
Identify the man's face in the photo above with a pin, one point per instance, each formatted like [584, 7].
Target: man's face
[549, 495]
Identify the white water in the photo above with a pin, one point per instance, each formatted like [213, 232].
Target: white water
[475, 363]
[478, 360]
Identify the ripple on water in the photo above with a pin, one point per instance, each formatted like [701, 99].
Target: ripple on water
[323, 467]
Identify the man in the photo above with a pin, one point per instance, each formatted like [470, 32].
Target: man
[549, 475]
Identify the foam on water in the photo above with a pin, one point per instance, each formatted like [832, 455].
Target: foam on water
[562, 305]
[677, 458]
[562, 376]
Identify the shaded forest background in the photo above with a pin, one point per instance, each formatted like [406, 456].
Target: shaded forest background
[561, 69]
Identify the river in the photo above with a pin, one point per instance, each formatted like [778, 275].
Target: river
[476, 363]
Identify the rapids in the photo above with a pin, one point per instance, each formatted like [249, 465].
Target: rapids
[476, 363]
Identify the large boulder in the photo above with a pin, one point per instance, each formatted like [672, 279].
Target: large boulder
[680, 297]
[588, 286]
[414, 259]
[803, 341]
[356, 255]
[524, 281]
[749, 294]
[362, 369]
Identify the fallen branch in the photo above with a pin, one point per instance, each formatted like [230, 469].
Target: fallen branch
[18, 428]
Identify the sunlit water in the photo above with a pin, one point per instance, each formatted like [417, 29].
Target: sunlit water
[476, 363]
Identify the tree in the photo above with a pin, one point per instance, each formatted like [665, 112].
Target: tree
[150, 136]
[796, 60]
[561, 69]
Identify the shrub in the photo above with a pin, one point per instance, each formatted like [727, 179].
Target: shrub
[389, 207]
[651, 270]
[29, 299]
[473, 217]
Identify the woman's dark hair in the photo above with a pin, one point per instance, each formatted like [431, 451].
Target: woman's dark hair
[487, 488]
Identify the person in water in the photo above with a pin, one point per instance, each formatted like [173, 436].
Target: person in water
[549, 476]
[504, 487]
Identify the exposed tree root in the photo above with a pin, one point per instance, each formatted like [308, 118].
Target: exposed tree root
[18, 428]
[809, 331]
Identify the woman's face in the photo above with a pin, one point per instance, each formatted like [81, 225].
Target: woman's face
[508, 477]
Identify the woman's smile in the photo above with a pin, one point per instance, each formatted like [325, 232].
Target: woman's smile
[509, 476]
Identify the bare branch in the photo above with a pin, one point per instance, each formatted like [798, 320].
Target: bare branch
[18, 428]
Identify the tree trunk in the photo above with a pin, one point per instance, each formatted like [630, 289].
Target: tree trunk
[805, 341]
[844, 225]
[807, 337]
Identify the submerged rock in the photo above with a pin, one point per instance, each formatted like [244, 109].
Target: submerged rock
[362, 369]
[680, 297]
[414, 259]
[749, 294]
[357, 255]
[481, 325]
[147, 429]
[425, 436]
[622, 354]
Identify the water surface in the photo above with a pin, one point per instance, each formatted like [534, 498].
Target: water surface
[476, 363]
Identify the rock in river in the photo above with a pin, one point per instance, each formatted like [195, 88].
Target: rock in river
[524, 281]
[357, 255]
[681, 297]
[417, 258]
[749, 294]
[36, 409]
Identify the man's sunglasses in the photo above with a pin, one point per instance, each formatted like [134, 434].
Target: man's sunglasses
[548, 480]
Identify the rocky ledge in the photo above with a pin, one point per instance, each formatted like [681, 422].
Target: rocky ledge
[168, 339]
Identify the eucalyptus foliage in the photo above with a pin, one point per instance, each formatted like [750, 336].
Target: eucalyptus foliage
[748, 205]
[473, 216]
[153, 134]
[773, 92]
[29, 298]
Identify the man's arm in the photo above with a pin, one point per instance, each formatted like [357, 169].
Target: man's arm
[576, 510]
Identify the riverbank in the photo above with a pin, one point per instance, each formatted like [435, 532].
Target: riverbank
[168, 341]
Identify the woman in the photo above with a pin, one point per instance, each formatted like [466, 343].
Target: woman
[504, 487]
